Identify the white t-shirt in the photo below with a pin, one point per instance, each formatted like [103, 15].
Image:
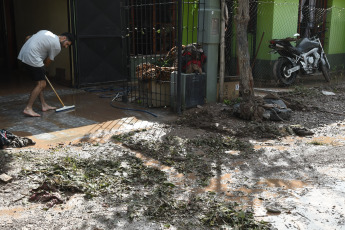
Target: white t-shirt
[41, 45]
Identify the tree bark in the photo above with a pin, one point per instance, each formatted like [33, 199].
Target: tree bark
[246, 77]
[222, 52]
[249, 109]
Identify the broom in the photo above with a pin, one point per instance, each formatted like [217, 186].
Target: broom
[64, 108]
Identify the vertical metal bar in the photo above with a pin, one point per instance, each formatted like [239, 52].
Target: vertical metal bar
[323, 34]
[140, 10]
[162, 12]
[71, 51]
[126, 26]
[203, 24]
[173, 34]
[4, 33]
[179, 65]
[154, 19]
[187, 20]
[74, 16]
[195, 6]
[162, 37]
[133, 25]
[146, 21]
[220, 95]
[150, 46]
[253, 24]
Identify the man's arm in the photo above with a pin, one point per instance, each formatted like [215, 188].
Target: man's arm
[28, 37]
[47, 61]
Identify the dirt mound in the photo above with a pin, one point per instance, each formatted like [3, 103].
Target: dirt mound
[311, 108]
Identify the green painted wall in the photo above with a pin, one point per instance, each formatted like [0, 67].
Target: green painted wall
[190, 22]
[279, 19]
[265, 25]
[336, 31]
[276, 22]
[285, 20]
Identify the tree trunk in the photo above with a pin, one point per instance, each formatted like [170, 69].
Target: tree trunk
[248, 108]
[246, 77]
[222, 52]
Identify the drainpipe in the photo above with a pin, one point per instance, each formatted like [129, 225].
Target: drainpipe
[179, 51]
[222, 52]
[209, 38]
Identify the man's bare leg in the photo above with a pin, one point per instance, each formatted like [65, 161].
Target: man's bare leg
[45, 106]
[34, 94]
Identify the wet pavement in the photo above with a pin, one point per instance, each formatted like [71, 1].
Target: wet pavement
[94, 118]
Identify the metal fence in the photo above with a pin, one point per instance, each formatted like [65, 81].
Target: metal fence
[152, 34]
[288, 18]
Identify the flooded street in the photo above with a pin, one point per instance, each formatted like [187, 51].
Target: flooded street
[292, 183]
[317, 200]
[122, 169]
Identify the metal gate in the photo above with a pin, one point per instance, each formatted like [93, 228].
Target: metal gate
[100, 52]
[156, 32]
[2, 37]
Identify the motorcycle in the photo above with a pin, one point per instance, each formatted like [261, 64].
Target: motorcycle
[306, 57]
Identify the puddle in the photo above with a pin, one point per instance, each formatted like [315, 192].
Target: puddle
[91, 112]
[17, 212]
[233, 152]
[222, 185]
[276, 147]
[334, 141]
[285, 184]
[12, 212]
[257, 197]
[271, 145]
[340, 186]
[22, 134]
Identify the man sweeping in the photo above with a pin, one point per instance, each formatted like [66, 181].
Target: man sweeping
[39, 51]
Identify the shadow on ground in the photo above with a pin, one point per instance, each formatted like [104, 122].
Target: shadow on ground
[5, 161]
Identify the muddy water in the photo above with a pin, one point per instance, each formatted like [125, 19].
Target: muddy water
[93, 119]
[334, 141]
[285, 184]
[222, 185]
[91, 107]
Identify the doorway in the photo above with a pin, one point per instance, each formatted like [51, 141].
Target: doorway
[2, 37]
[100, 52]
[8, 49]
[23, 18]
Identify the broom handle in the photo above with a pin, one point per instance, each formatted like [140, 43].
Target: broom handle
[54, 91]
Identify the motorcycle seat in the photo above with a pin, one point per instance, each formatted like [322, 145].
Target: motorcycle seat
[285, 40]
[297, 50]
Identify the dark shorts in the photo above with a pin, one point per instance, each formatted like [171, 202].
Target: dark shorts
[36, 73]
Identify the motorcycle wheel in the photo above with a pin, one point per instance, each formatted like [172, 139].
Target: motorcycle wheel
[325, 72]
[280, 71]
